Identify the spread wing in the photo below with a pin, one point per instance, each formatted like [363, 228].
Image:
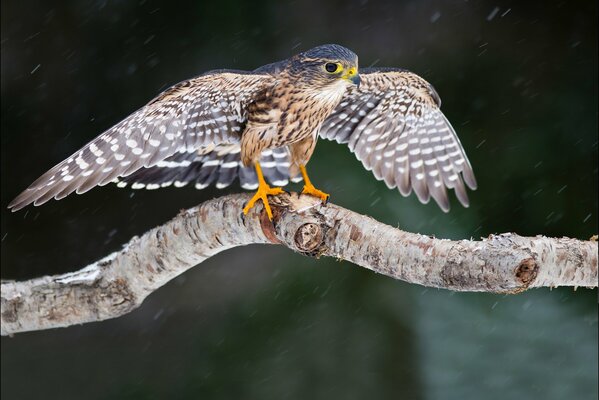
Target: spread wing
[203, 111]
[395, 127]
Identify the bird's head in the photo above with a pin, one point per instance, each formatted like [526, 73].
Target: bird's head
[326, 65]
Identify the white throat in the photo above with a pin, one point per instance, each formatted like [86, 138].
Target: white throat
[332, 93]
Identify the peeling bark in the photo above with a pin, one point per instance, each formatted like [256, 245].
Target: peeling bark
[119, 283]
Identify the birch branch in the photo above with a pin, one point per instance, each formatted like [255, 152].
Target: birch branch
[117, 284]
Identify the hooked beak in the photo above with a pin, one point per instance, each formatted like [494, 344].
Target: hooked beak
[352, 76]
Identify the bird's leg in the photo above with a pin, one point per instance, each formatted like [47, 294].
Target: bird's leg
[309, 187]
[263, 191]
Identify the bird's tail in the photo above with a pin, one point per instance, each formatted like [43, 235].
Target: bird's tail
[219, 165]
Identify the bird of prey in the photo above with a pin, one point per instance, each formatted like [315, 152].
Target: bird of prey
[263, 125]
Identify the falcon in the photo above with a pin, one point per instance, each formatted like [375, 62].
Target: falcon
[262, 126]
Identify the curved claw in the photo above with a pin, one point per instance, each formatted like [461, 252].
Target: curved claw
[262, 194]
[312, 191]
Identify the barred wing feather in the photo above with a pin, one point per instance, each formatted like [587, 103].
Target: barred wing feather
[203, 111]
[394, 126]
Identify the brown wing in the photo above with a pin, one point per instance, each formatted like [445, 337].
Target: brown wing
[395, 127]
[206, 110]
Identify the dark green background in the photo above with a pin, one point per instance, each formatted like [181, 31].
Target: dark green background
[519, 83]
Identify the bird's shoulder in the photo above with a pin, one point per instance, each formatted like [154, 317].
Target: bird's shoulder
[382, 80]
[215, 85]
[274, 68]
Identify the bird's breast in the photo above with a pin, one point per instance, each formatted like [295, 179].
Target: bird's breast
[306, 110]
[287, 113]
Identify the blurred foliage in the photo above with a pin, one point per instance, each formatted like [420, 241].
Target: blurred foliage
[519, 83]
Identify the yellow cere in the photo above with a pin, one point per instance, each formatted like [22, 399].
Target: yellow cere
[350, 73]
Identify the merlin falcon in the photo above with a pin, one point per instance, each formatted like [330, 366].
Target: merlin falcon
[262, 126]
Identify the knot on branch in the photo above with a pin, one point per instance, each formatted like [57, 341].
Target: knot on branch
[297, 223]
[309, 238]
[527, 271]
[10, 309]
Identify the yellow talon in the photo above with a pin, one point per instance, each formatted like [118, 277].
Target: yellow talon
[262, 194]
[309, 187]
[311, 190]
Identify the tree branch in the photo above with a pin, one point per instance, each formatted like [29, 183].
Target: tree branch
[117, 284]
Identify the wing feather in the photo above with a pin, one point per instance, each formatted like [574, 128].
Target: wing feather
[206, 110]
[394, 126]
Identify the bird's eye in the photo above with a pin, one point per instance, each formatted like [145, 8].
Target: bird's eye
[332, 67]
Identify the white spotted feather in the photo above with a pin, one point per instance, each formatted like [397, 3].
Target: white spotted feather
[394, 126]
[206, 110]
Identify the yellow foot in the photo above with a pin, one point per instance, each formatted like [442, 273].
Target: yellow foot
[262, 194]
[312, 191]
[309, 187]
